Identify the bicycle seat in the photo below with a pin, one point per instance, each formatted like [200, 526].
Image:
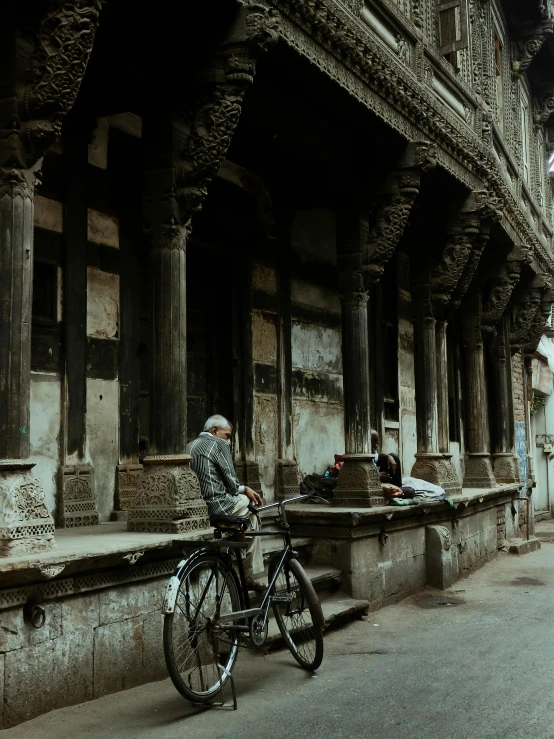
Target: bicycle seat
[225, 522]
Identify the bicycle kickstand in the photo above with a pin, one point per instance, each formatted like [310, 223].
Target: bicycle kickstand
[233, 691]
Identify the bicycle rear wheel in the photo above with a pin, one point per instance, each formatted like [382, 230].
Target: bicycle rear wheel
[199, 654]
[300, 620]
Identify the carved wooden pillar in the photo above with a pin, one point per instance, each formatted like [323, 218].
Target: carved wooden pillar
[478, 468]
[168, 495]
[184, 151]
[42, 70]
[433, 459]
[358, 483]
[25, 523]
[502, 409]
[442, 388]
[505, 465]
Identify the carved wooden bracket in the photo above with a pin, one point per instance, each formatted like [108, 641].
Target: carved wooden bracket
[394, 208]
[501, 292]
[467, 239]
[543, 104]
[50, 62]
[525, 311]
[208, 124]
[532, 36]
[538, 324]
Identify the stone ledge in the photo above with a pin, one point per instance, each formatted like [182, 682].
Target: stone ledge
[338, 522]
[91, 548]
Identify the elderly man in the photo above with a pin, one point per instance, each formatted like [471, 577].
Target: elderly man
[224, 495]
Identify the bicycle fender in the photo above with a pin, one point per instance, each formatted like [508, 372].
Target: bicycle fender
[170, 595]
[172, 587]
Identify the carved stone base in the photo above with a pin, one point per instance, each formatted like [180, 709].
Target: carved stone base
[288, 478]
[168, 498]
[26, 526]
[505, 468]
[438, 469]
[478, 472]
[358, 485]
[126, 485]
[249, 474]
[78, 502]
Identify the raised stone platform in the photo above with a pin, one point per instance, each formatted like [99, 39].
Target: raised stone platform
[388, 552]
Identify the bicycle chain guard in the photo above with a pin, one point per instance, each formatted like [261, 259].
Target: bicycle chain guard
[258, 630]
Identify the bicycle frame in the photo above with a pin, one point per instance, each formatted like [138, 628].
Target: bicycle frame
[234, 544]
[288, 551]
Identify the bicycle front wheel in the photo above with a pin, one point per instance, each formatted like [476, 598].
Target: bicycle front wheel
[200, 654]
[298, 614]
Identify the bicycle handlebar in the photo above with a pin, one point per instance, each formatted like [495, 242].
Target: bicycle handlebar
[254, 509]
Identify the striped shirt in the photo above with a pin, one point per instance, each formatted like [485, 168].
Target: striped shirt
[213, 464]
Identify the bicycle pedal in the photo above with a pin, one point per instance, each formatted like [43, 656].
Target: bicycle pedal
[282, 598]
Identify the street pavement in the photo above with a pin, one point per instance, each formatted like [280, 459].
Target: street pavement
[474, 661]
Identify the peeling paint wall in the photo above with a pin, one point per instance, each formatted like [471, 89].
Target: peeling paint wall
[102, 304]
[317, 390]
[45, 432]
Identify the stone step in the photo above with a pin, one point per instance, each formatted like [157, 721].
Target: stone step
[325, 579]
[337, 609]
[543, 515]
[523, 546]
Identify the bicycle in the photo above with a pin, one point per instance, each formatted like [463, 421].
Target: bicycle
[207, 608]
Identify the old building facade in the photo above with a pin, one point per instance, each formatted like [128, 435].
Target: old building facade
[312, 216]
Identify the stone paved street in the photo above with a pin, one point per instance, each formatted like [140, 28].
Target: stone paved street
[478, 667]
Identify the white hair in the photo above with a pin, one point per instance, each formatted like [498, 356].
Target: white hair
[216, 420]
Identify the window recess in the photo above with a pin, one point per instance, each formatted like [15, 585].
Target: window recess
[452, 26]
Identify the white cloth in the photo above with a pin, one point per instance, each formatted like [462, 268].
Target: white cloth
[253, 559]
[423, 489]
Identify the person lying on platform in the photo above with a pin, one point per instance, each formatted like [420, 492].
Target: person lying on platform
[224, 495]
[390, 470]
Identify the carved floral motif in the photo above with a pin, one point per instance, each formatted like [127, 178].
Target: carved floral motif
[52, 76]
[501, 292]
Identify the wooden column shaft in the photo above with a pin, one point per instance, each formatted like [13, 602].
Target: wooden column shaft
[426, 386]
[356, 374]
[16, 284]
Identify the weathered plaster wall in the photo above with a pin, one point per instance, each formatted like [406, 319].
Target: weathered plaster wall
[387, 569]
[318, 409]
[317, 391]
[91, 645]
[102, 440]
[45, 432]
